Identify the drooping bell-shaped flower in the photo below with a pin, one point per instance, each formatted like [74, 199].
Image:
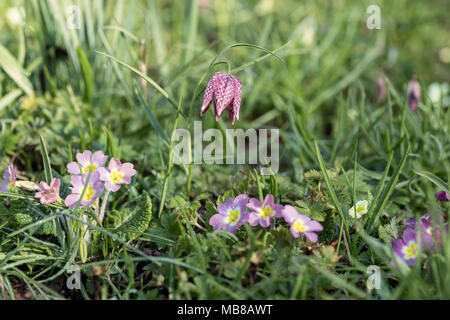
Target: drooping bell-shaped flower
[225, 89]
[413, 94]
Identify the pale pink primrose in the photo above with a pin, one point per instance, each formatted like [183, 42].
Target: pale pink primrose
[300, 224]
[49, 193]
[87, 161]
[226, 91]
[261, 213]
[93, 190]
[116, 174]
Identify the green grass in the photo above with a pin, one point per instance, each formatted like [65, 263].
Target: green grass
[136, 70]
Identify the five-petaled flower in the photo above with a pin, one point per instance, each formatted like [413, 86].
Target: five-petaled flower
[116, 174]
[361, 209]
[231, 214]
[94, 188]
[87, 161]
[429, 229]
[442, 196]
[226, 91]
[262, 212]
[300, 224]
[413, 94]
[49, 193]
[9, 179]
[406, 248]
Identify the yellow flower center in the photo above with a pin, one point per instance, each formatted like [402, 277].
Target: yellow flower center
[410, 251]
[89, 193]
[11, 185]
[430, 231]
[116, 177]
[90, 166]
[233, 216]
[266, 212]
[299, 226]
[360, 209]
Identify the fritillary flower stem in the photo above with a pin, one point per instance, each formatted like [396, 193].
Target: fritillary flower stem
[103, 208]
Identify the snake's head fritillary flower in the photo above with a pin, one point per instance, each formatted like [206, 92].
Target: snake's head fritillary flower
[381, 89]
[231, 214]
[9, 179]
[87, 161]
[49, 193]
[226, 91]
[94, 189]
[300, 224]
[442, 196]
[360, 210]
[413, 94]
[406, 248]
[261, 213]
[116, 174]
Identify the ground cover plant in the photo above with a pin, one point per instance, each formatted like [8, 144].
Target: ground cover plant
[96, 204]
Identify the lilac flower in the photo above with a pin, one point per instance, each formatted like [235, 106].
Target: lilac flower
[406, 248]
[413, 94]
[49, 193]
[300, 224]
[262, 212]
[429, 229]
[232, 214]
[226, 91]
[427, 234]
[443, 196]
[412, 223]
[9, 179]
[93, 190]
[86, 162]
[116, 174]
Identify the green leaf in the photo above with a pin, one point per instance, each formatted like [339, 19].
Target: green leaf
[10, 65]
[46, 161]
[147, 79]
[9, 98]
[137, 221]
[434, 179]
[26, 212]
[86, 70]
[384, 197]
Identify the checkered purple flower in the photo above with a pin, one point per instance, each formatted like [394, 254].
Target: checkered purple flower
[413, 94]
[226, 91]
[300, 224]
[261, 213]
[443, 196]
[232, 214]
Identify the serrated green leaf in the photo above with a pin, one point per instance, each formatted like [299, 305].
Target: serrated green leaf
[137, 221]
